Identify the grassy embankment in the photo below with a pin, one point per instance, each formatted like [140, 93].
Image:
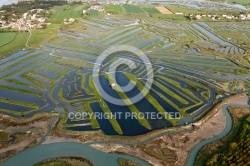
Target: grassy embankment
[83, 79]
[37, 82]
[66, 161]
[126, 162]
[184, 91]
[233, 86]
[53, 85]
[187, 93]
[104, 107]
[93, 121]
[15, 81]
[20, 103]
[8, 88]
[23, 67]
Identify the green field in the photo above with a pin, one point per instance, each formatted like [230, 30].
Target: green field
[168, 16]
[114, 9]
[39, 36]
[17, 44]
[94, 13]
[244, 2]
[19, 40]
[184, 10]
[68, 11]
[5, 38]
[151, 10]
[132, 9]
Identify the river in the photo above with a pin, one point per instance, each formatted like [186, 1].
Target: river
[65, 149]
[225, 132]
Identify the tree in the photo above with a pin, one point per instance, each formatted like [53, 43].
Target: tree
[233, 145]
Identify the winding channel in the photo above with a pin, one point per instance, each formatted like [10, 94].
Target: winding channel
[193, 154]
[44, 152]
[65, 149]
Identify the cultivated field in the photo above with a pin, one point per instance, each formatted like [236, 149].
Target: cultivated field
[68, 11]
[151, 10]
[130, 9]
[6, 38]
[114, 9]
[163, 10]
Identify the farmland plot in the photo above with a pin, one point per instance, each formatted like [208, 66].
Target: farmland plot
[6, 38]
[130, 9]
[151, 10]
[114, 9]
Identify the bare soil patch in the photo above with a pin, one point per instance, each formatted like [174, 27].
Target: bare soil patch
[163, 10]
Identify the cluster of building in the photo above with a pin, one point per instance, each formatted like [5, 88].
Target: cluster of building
[34, 19]
[93, 7]
[97, 7]
[200, 16]
[216, 17]
[244, 16]
[69, 21]
[241, 16]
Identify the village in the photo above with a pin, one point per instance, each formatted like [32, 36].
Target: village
[33, 19]
[217, 17]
